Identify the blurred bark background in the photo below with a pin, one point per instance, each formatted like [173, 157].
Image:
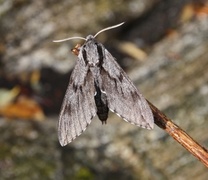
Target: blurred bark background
[163, 47]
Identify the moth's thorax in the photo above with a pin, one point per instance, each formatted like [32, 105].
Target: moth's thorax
[91, 51]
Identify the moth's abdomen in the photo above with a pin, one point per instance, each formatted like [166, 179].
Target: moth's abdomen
[101, 104]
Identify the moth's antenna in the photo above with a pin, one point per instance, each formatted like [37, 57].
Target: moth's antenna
[62, 40]
[111, 27]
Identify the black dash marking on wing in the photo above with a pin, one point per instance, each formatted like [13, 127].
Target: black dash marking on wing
[120, 77]
[84, 54]
[100, 54]
[134, 95]
[75, 87]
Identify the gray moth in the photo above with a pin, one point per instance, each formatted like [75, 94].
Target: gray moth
[98, 84]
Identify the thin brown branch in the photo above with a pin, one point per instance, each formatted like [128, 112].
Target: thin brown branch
[180, 136]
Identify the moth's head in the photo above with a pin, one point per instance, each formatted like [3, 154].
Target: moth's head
[89, 37]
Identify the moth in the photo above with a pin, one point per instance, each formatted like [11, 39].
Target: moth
[98, 84]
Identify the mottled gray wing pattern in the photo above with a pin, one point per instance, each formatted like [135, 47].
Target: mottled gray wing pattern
[78, 106]
[123, 97]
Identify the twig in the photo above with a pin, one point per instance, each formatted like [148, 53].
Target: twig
[179, 135]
